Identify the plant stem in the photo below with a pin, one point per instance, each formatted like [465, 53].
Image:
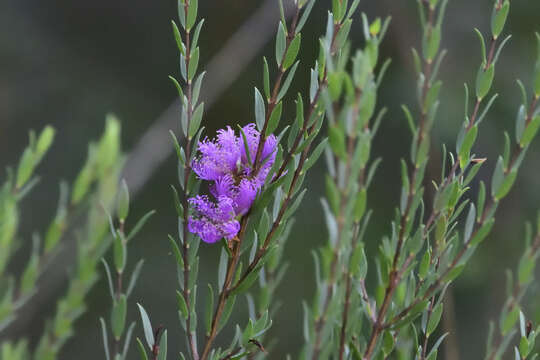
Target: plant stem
[233, 261]
[348, 291]
[321, 320]
[275, 91]
[393, 275]
[279, 173]
[516, 296]
[226, 290]
[493, 203]
[322, 85]
[187, 173]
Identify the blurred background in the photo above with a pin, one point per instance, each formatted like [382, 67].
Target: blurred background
[68, 63]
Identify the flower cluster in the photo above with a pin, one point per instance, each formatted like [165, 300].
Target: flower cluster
[229, 164]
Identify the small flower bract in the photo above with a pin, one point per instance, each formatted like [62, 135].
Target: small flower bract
[235, 181]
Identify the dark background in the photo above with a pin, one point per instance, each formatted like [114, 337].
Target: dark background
[68, 63]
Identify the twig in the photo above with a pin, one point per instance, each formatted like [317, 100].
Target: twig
[493, 203]
[393, 280]
[233, 261]
[187, 172]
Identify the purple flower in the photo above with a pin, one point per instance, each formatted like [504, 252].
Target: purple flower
[213, 221]
[235, 181]
[218, 157]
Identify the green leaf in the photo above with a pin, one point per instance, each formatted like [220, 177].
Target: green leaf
[432, 96]
[375, 27]
[178, 87]
[304, 16]
[275, 117]
[359, 263]
[332, 194]
[292, 51]
[246, 145]
[120, 252]
[209, 309]
[181, 304]
[196, 34]
[367, 106]
[413, 313]
[142, 351]
[435, 318]
[520, 122]
[484, 79]
[118, 316]
[193, 64]
[454, 273]
[433, 352]
[530, 131]
[287, 82]
[481, 200]
[182, 13]
[472, 173]
[266, 79]
[177, 204]
[315, 155]
[360, 204]
[122, 207]
[178, 38]
[336, 138]
[361, 69]
[336, 9]
[468, 142]
[433, 43]
[506, 152]
[343, 34]
[44, 142]
[259, 110]
[30, 274]
[388, 343]
[524, 346]
[335, 84]
[482, 232]
[469, 224]
[134, 277]
[294, 205]
[415, 243]
[280, 43]
[162, 355]
[247, 282]
[525, 270]
[191, 14]
[197, 87]
[482, 45]
[26, 167]
[54, 233]
[498, 18]
[105, 338]
[299, 111]
[506, 185]
[176, 251]
[147, 327]
[227, 310]
[195, 122]
[498, 176]
[424, 265]
[509, 320]
[372, 51]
